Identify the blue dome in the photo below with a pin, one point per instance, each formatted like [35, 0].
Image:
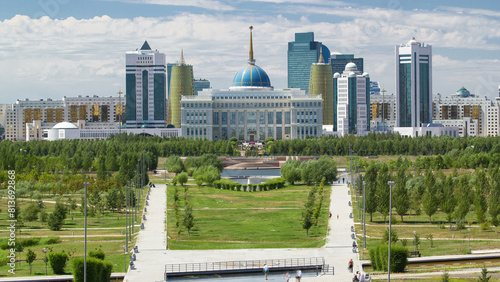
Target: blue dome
[251, 75]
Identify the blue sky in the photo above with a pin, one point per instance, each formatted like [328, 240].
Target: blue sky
[56, 48]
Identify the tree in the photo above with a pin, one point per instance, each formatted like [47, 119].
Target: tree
[371, 189]
[188, 221]
[307, 213]
[206, 174]
[290, 171]
[383, 190]
[448, 201]
[30, 257]
[174, 164]
[394, 236]
[182, 178]
[484, 275]
[401, 200]
[430, 200]
[463, 198]
[480, 204]
[211, 160]
[112, 197]
[56, 218]
[445, 277]
[494, 203]
[30, 213]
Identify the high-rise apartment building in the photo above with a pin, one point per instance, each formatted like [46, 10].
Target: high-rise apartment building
[181, 84]
[94, 111]
[413, 84]
[145, 87]
[339, 60]
[353, 90]
[302, 53]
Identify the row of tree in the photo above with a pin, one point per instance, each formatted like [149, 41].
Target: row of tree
[433, 191]
[311, 171]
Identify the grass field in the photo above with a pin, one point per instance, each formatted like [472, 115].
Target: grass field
[230, 219]
[104, 232]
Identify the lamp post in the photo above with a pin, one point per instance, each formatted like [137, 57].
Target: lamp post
[40, 203]
[125, 258]
[468, 229]
[415, 240]
[85, 184]
[126, 214]
[364, 222]
[45, 260]
[391, 183]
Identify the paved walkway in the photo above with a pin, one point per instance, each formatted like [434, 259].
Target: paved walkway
[152, 255]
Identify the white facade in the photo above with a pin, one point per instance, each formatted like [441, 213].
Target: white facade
[479, 116]
[251, 114]
[16, 118]
[427, 130]
[352, 101]
[413, 84]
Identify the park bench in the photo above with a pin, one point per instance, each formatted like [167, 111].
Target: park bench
[414, 254]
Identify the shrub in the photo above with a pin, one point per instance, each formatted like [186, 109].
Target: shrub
[97, 270]
[485, 226]
[28, 242]
[98, 254]
[3, 259]
[399, 258]
[58, 262]
[50, 240]
[4, 244]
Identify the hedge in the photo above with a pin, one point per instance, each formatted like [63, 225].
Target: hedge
[97, 270]
[399, 258]
[98, 254]
[58, 262]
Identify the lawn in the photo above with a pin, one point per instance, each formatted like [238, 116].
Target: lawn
[235, 220]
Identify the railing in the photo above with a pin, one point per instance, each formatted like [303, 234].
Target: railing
[243, 266]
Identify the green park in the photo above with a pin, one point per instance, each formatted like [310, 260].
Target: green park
[445, 200]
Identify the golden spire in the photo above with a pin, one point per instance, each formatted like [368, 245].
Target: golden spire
[250, 55]
[321, 60]
[181, 61]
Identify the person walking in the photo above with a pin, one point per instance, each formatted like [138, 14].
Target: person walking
[298, 275]
[265, 270]
[287, 277]
[350, 265]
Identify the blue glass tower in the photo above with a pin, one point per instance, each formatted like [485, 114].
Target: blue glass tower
[413, 84]
[302, 53]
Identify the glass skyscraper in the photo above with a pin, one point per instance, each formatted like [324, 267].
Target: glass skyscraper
[413, 84]
[145, 88]
[302, 53]
[338, 62]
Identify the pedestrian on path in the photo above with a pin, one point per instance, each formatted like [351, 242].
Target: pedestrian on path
[287, 277]
[330, 214]
[350, 266]
[337, 216]
[298, 275]
[265, 270]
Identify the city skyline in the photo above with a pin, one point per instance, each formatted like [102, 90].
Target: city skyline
[75, 50]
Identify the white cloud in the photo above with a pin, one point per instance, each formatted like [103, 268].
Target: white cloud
[206, 4]
[87, 56]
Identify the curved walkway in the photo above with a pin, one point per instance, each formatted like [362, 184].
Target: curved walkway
[153, 255]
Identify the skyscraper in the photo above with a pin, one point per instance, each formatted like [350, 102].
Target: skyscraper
[181, 84]
[321, 82]
[413, 84]
[200, 84]
[302, 53]
[145, 88]
[338, 62]
[353, 89]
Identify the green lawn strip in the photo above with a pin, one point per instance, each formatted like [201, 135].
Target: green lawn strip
[112, 249]
[232, 219]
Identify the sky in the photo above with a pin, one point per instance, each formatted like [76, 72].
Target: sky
[56, 48]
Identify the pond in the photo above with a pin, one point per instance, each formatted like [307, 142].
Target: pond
[251, 176]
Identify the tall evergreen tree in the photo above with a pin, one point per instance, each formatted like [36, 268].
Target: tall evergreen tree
[482, 186]
[401, 200]
[383, 190]
[430, 201]
[371, 189]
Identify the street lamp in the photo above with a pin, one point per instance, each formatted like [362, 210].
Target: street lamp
[85, 184]
[125, 258]
[40, 203]
[391, 183]
[469, 239]
[415, 240]
[364, 221]
[45, 260]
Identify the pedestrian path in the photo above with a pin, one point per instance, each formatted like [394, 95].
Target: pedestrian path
[151, 241]
[153, 256]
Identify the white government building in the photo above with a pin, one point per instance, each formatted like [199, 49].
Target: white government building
[251, 110]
